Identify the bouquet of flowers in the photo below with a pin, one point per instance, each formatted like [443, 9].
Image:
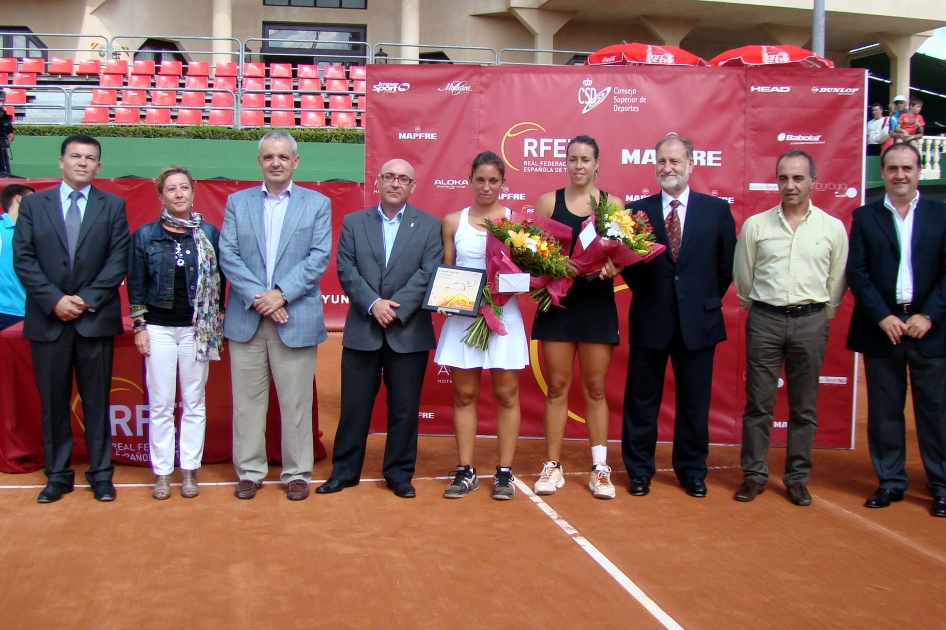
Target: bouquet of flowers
[624, 237]
[532, 245]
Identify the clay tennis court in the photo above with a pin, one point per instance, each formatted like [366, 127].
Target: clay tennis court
[364, 558]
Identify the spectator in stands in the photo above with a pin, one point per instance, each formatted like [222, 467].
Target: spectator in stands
[789, 275]
[12, 294]
[71, 272]
[876, 129]
[6, 135]
[274, 248]
[175, 291]
[911, 123]
[897, 272]
[894, 134]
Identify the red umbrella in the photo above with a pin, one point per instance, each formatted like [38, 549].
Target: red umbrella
[643, 54]
[764, 55]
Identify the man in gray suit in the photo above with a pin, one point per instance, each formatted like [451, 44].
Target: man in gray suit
[386, 255]
[274, 248]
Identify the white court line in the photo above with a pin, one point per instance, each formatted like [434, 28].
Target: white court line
[903, 540]
[612, 570]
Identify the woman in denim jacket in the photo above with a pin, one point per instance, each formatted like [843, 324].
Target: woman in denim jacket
[176, 291]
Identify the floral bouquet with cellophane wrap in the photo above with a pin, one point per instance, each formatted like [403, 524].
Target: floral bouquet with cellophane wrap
[623, 236]
[530, 244]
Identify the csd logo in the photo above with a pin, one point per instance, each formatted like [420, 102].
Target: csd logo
[590, 97]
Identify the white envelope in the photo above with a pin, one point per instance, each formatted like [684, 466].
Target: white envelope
[588, 235]
[513, 283]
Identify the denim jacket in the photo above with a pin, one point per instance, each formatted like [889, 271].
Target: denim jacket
[151, 267]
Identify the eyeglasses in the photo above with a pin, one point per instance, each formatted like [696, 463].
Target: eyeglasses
[389, 178]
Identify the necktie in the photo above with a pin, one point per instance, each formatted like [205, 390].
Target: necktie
[73, 222]
[673, 230]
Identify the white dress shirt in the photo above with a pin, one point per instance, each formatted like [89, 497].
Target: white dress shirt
[684, 200]
[65, 190]
[904, 227]
[274, 214]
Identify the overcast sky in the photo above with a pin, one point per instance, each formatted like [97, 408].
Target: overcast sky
[935, 46]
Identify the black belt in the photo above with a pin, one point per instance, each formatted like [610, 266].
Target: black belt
[792, 310]
[906, 309]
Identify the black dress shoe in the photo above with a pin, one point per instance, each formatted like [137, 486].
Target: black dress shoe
[403, 489]
[695, 487]
[333, 485]
[53, 492]
[640, 486]
[939, 507]
[883, 498]
[104, 491]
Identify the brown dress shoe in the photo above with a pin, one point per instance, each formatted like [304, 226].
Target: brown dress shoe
[162, 487]
[246, 489]
[297, 489]
[189, 488]
[798, 493]
[748, 490]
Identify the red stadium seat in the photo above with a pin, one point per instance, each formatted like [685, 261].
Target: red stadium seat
[280, 70]
[34, 65]
[251, 118]
[360, 86]
[11, 111]
[112, 80]
[8, 65]
[189, 116]
[339, 101]
[282, 101]
[139, 80]
[127, 116]
[357, 72]
[343, 119]
[196, 83]
[253, 100]
[313, 119]
[313, 101]
[307, 71]
[198, 69]
[282, 118]
[89, 66]
[310, 85]
[336, 85]
[225, 69]
[254, 83]
[221, 99]
[4, 78]
[225, 83]
[335, 72]
[116, 66]
[363, 105]
[163, 97]
[193, 99]
[134, 97]
[167, 81]
[15, 96]
[280, 85]
[104, 97]
[60, 66]
[220, 117]
[172, 68]
[95, 116]
[143, 66]
[157, 117]
[24, 78]
[254, 70]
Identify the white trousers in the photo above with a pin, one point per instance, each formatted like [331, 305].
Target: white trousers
[172, 354]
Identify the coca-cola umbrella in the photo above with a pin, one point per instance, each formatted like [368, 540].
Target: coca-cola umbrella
[643, 54]
[765, 55]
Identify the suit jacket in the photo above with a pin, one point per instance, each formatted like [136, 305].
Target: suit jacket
[417, 251]
[693, 287]
[301, 258]
[41, 260]
[873, 264]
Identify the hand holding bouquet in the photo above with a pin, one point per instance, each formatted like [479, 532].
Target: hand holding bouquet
[624, 237]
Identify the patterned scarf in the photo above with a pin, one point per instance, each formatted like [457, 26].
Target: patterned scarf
[208, 320]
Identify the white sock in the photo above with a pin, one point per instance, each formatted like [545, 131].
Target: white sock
[599, 454]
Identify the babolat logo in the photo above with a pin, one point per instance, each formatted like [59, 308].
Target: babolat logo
[794, 137]
[456, 87]
[847, 91]
[783, 89]
[450, 184]
[391, 87]
[417, 134]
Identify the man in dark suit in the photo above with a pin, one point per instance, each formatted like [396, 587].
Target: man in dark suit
[676, 314]
[897, 272]
[70, 250]
[386, 255]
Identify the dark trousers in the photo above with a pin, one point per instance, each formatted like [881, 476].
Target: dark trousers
[873, 149]
[54, 362]
[362, 372]
[693, 374]
[886, 396]
[8, 320]
[798, 343]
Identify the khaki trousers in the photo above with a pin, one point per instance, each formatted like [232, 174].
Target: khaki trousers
[293, 370]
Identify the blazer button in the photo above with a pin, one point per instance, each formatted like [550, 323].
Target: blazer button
[676, 277]
[64, 263]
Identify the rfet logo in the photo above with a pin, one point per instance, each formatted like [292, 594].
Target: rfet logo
[534, 146]
[590, 97]
[127, 416]
[391, 87]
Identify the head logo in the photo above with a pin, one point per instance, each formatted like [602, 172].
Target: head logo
[590, 97]
[391, 87]
[456, 87]
[766, 89]
[517, 130]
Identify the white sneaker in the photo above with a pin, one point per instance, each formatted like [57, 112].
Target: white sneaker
[551, 479]
[600, 483]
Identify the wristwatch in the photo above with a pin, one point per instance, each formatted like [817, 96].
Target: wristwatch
[138, 326]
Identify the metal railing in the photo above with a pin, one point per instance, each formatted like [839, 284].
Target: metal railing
[98, 46]
[494, 57]
[499, 57]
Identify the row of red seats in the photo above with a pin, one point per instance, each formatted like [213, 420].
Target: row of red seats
[198, 98]
[248, 118]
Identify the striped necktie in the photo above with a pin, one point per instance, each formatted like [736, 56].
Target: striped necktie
[674, 235]
[73, 222]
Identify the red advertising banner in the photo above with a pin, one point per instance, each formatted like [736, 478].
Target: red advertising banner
[740, 120]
